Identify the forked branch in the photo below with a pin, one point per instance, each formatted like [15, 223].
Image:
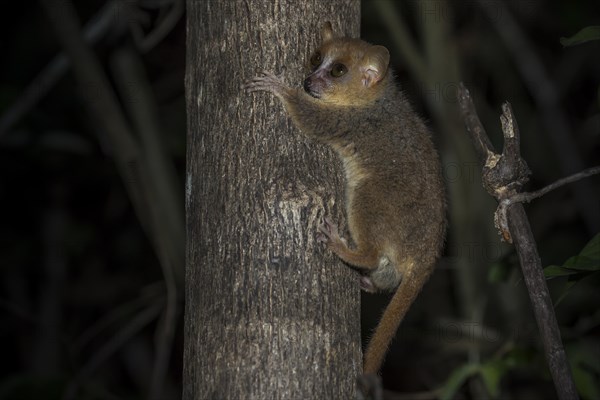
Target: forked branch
[503, 177]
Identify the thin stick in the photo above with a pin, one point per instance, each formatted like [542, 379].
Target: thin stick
[139, 322]
[528, 196]
[95, 30]
[503, 176]
[546, 97]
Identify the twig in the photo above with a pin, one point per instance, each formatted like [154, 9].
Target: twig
[54, 228]
[168, 17]
[117, 314]
[130, 160]
[545, 95]
[166, 221]
[502, 211]
[401, 36]
[102, 101]
[503, 176]
[478, 136]
[528, 196]
[94, 30]
[160, 179]
[100, 24]
[140, 321]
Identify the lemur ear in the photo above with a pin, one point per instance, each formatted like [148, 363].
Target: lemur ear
[375, 65]
[326, 32]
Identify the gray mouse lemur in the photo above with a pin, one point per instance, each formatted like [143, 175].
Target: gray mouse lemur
[395, 200]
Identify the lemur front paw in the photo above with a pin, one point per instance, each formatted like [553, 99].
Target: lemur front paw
[264, 82]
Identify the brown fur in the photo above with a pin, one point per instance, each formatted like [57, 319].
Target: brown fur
[395, 201]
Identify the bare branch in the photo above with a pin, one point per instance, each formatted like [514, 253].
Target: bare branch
[164, 210]
[528, 196]
[132, 162]
[140, 321]
[503, 176]
[546, 97]
[94, 30]
[481, 141]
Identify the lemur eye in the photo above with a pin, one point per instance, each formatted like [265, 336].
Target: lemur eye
[338, 70]
[316, 59]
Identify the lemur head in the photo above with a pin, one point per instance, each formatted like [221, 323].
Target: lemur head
[347, 71]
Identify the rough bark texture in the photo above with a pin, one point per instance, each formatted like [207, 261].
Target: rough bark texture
[533, 275]
[270, 314]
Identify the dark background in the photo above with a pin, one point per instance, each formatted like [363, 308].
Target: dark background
[77, 269]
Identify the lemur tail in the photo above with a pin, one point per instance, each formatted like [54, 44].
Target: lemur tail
[390, 320]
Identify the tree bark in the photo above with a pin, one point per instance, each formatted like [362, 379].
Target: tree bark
[270, 313]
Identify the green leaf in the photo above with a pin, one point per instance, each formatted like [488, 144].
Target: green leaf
[555, 271]
[492, 372]
[585, 35]
[585, 364]
[576, 268]
[565, 292]
[588, 260]
[457, 379]
[586, 384]
[519, 357]
[583, 263]
[498, 272]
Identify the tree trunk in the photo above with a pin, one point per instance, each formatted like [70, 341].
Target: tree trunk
[270, 313]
